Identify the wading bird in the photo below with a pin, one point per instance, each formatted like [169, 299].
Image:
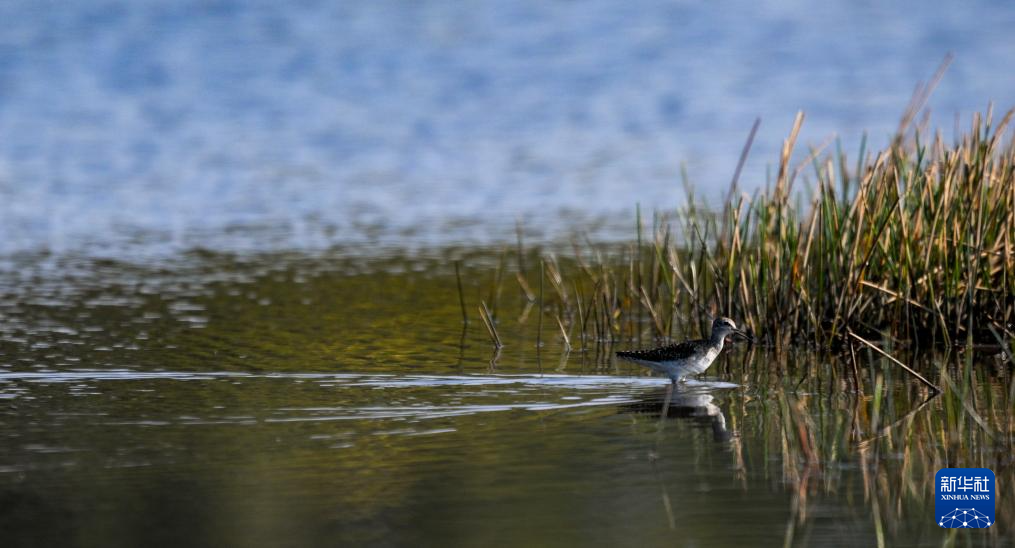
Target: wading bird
[679, 361]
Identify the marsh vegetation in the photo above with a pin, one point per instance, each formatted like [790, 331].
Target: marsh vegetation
[913, 243]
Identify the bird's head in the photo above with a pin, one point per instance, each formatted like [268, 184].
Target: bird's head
[723, 326]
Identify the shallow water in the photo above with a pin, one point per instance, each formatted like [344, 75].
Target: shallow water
[295, 400]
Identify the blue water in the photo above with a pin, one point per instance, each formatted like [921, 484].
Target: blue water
[137, 128]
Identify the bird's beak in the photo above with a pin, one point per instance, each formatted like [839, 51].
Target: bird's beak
[744, 334]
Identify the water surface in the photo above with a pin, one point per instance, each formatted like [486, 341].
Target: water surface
[293, 400]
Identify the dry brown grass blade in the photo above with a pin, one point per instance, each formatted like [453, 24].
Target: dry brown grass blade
[908, 369]
[781, 181]
[894, 295]
[563, 334]
[529, 295]
[484, 314]
[652, 311]
[921, 95]
[743, 159]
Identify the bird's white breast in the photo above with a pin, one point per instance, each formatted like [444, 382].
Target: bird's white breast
[706, 360]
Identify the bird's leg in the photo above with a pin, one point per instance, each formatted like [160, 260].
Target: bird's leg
[666, 403]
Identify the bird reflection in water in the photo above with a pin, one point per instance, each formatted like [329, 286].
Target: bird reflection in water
[693, 403]
[689, 402]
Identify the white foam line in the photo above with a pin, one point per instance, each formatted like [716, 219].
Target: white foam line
[375, 380]
[129, 375]
[434, 431]
[115, 375]
[563, 381]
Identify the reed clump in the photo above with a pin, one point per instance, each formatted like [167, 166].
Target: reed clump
[914, 242]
